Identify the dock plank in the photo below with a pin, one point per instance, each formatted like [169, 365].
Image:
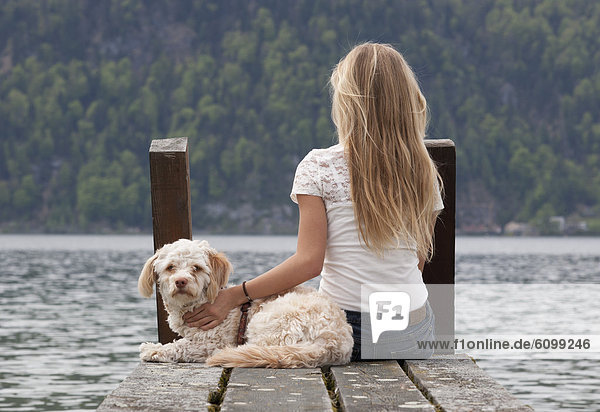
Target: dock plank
[164, 387]
[276, 390]
[377, 386]
[456, 383]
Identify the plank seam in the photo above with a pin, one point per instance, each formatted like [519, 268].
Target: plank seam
[420, 387]
[215, 398]
[332, 389]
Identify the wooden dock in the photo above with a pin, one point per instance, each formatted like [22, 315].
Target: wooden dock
[447, 382]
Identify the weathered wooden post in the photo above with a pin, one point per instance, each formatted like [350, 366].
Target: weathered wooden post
[171, 206]
[438, 274]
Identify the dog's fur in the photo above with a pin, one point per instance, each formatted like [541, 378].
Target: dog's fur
[298, 328]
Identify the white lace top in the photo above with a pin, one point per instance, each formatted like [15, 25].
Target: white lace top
[348, 265]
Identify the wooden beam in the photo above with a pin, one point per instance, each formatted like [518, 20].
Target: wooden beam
[164, 387]
[456, 383]
[377, 386]
[438, 274]
[441, 268]
[259, 389]
[171, 206]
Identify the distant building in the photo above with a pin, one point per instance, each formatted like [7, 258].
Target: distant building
[519, 229]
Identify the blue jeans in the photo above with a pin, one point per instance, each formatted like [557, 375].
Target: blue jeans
[391, 344]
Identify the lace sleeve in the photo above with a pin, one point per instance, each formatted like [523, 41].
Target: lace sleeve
[307, 181]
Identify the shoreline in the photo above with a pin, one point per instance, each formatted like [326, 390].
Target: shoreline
[144, 232]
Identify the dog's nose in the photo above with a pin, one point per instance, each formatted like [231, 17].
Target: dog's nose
[181, 283]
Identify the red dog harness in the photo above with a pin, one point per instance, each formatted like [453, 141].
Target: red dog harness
[241, 339]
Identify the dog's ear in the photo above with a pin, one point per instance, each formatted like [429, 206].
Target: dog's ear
[220, 268]
[146, 280]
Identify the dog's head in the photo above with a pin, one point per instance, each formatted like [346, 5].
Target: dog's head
[185, 271]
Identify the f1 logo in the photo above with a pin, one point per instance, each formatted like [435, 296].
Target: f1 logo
[388, 311]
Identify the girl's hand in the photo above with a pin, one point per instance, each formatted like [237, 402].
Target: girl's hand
[210, 315]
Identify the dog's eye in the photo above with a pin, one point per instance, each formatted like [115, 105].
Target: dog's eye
[170, 267]
[196, 268]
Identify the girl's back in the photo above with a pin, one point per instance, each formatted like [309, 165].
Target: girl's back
[348, 264]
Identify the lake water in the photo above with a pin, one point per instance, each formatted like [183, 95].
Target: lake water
[71, 319]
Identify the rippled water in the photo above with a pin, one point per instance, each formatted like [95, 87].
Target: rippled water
[71, 319]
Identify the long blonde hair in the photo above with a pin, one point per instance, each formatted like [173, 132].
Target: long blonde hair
[381, 116]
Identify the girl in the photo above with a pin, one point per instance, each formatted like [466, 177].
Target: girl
[368, 204]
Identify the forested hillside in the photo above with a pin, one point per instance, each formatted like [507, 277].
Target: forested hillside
[86, 85]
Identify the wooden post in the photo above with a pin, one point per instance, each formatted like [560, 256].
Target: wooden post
[438, 274]
[171, 206]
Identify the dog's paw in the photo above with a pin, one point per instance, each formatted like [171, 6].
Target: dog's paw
[150, 352]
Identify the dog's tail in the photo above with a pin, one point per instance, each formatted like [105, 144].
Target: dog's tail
[309, 355]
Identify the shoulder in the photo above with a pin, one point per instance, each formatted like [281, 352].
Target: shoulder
[324, 157]
[331, 151]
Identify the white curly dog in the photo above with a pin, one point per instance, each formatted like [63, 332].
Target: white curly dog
[298, 328]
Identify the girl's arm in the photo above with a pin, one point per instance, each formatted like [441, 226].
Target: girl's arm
[303, 265]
